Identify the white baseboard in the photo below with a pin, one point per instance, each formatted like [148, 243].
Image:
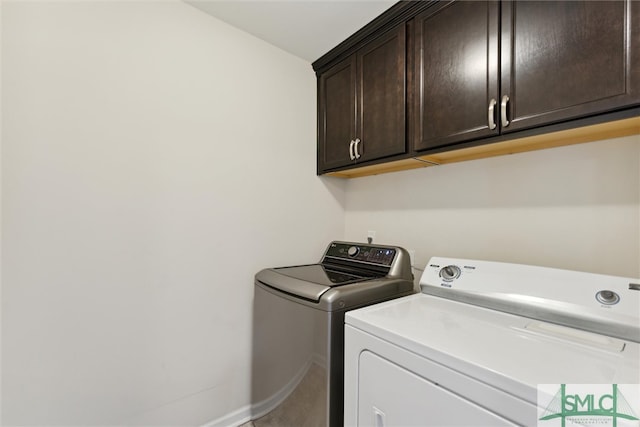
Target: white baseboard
[259, 409]
[232, 419]
[267, 405]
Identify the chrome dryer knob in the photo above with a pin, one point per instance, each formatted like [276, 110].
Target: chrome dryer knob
[450, 272]
[607, 297]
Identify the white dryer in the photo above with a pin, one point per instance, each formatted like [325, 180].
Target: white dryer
[474, 348]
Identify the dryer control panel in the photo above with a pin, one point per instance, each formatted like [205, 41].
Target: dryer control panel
[598, 303]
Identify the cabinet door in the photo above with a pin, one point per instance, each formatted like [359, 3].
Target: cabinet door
[565, 59]
[456, 51]
[381, 96]
[336, 114]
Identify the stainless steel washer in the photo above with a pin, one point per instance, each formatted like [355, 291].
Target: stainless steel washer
[298, 344]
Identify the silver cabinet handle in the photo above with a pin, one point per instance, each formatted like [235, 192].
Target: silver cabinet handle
[357, 141]
[351, 155]
[492, 107]
[503, 111]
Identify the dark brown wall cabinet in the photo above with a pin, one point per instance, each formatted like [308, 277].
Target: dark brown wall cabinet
[471, 74]
[489, 68]
[361, 104]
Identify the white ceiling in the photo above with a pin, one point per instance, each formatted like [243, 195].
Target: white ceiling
[305, 28]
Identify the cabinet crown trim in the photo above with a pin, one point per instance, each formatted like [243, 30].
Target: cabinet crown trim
[397, 14]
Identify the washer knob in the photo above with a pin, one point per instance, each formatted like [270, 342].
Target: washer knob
[353, 251]
[450, 272]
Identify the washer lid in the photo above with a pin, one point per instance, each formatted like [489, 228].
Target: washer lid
[325, 275]
[310, 281]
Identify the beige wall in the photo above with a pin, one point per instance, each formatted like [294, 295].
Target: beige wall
[575, 207]
[154, 159]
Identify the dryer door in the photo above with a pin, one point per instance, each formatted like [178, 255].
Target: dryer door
[389, 395]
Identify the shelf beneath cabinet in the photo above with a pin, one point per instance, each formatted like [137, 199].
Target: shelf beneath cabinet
[602, 131]
[394, 166]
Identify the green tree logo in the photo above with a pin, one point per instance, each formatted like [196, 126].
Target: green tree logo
[588, 405]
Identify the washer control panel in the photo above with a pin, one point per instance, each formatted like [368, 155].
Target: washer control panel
[379, 255]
